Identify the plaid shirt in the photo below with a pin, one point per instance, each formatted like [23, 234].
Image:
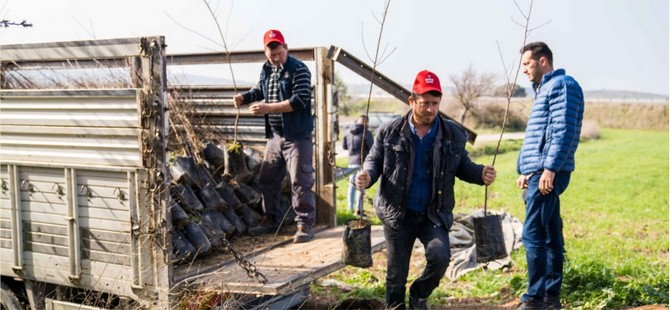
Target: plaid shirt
[273, 97]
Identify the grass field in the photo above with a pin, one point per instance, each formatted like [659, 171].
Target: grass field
[615, 214]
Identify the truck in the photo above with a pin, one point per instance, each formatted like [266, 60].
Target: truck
[85, 171]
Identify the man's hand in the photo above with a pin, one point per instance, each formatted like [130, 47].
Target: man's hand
[259, 109]
[362, 180]
[238, 100]
[547, 181]
[488, 174]
[522, 182]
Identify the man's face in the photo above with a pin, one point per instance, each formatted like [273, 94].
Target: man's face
[425, 108]
[276, 56]
[532, 67]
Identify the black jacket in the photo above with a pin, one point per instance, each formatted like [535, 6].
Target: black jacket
[352, 142]
[391, 160]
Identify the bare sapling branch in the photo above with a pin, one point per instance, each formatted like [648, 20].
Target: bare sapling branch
[510, 86]
[234, 146]
[6, 23]
[375, 63]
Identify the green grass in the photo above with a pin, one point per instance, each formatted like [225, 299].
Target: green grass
[615, 214]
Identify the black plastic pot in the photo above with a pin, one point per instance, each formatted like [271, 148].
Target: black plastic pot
[211, 199]
[236, 166]
[179, 216]
[228, 194]
[214, 233]
[183, 250]
[198, 238]
[247, 194]
[489, 238]
[233, 218]
[213, 155]
[357, 247]
[183, 171]
[249, 215]
[186, 198]
[217, 218]
[254, 160]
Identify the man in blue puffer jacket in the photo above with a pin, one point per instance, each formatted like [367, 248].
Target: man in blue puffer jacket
[545, 162]
[417, 159]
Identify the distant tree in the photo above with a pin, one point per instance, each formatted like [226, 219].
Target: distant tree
[341, 94]
[469, 86]
[501, 91]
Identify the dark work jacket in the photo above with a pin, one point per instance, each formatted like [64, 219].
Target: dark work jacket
[295, 84]
[391, 161]
[352, 141]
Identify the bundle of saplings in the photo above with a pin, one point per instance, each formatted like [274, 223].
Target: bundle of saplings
[215, 197]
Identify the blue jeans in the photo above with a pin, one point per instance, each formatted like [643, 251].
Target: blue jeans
[296, 157]
[353, 194]
[543, 238]
[399, 244]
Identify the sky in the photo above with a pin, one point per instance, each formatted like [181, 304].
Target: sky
[603, 44]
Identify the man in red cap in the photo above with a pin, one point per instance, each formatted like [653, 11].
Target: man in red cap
[417, 158]
[283, 96]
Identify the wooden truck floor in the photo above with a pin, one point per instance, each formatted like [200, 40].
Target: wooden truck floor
[287, 266]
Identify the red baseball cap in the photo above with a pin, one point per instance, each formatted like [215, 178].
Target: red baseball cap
[426, 81]
[273, 35]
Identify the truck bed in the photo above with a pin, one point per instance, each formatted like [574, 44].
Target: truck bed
[287, 266]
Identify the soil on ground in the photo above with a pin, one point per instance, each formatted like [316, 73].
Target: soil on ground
[328, 300]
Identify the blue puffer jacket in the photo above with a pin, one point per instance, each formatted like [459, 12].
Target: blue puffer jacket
[554, 125]
[391, 160]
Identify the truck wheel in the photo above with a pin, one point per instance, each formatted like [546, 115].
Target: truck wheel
[8, 300]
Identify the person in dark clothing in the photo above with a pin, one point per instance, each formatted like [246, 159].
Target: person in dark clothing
[416, 159]
[546, 160]
[285, 89]
[357, 136]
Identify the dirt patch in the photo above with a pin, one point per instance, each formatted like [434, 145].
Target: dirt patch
[319, 302]
[327, 298]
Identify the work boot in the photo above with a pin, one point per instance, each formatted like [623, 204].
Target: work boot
[532, 304]
[418, 303]
[553, 302]
[267, 227]
[303, 234]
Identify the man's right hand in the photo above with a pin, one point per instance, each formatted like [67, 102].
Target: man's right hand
[522, 182]
[362, 180]
[238, 100]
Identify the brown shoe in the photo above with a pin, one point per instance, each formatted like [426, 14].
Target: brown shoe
[303, 234]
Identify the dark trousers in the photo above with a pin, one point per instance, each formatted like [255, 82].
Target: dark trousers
[543, 238]
[296, 157]
[399, 244]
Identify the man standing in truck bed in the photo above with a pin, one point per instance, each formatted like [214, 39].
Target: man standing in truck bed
[285, 90]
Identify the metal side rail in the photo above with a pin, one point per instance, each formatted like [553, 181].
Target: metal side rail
[361, 68]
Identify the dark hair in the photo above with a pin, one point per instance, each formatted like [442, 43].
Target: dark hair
[435, 93]
[537, 50]
[272, 45]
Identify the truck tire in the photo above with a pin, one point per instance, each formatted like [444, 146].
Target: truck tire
[8, 299]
